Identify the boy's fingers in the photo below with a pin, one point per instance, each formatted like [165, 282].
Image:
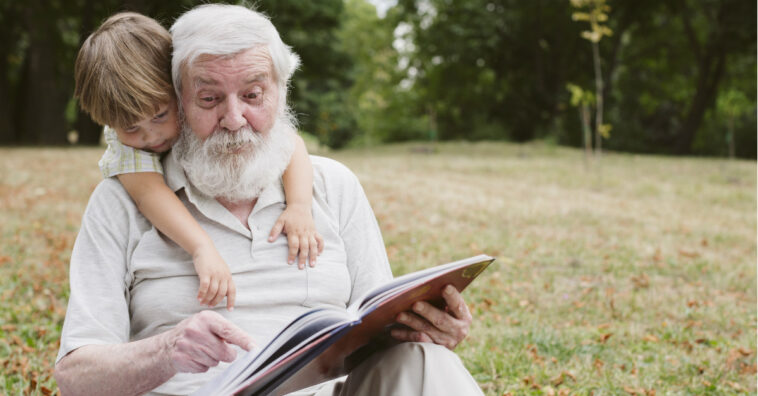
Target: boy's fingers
[313, 251]
[278, 227]
[222, 288]
[212, 290]
[320, 241]
[294, 245]
[303, 252]
[231, 295]
[203, 288]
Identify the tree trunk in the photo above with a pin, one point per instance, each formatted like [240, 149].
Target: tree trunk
[43, 102]
[89, 131]
[598, 100]
[10, 33]
[7, 131]
[586, 132]
[42, 113]
[730, 136]
[710, 71]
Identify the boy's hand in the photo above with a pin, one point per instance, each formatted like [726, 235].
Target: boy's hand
[297, 222]
[215, 278]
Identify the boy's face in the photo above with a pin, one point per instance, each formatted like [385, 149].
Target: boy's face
[156, 133]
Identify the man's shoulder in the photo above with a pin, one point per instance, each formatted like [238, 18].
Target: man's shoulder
[334, 181]
[108, 195]
[331, 171]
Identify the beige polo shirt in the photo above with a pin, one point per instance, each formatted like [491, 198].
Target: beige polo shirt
[129, 281]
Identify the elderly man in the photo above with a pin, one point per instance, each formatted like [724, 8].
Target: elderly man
[133, 325]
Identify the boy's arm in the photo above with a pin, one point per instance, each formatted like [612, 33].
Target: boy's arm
[297, 220]
[298, 177]
[166, 212]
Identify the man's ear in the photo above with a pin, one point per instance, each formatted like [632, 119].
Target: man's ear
[294, 64]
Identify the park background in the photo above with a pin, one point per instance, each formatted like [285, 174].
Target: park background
[626, 243]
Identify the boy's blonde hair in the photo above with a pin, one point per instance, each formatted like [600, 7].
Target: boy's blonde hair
[123, 70]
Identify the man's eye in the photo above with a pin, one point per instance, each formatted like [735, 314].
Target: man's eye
[207, 99]
[252, 95]
[161, 115]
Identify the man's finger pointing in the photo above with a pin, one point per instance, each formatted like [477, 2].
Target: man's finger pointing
[232, 334]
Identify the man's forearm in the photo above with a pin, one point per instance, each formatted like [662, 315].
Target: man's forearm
[123, 369]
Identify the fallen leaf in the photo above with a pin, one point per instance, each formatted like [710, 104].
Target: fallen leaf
[598, 365]
[641, 281]
[557, 381]
[688, 253]
[736, 386]
[650, 338]
[604, 337]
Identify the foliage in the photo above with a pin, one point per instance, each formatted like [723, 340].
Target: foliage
[442, 69]
[646, 284]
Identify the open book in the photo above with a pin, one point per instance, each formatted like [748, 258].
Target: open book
[326, 343]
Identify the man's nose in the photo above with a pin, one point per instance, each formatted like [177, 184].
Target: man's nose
[231, 116]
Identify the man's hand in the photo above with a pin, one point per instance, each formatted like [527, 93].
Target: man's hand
[202, 341]
[430, 324]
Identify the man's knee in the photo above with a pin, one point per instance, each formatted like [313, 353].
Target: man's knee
[419, 355]
[417, 368]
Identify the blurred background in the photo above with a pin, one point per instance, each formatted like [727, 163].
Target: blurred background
[669, 77]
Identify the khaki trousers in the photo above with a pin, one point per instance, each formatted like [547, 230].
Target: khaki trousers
[409, 368]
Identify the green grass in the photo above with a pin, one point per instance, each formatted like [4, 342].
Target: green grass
[635, 275]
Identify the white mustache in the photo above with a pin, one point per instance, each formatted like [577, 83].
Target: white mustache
[223, 141]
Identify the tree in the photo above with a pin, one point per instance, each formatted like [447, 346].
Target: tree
[582, 100]
[733, 104]
[320, 88]
[596, 15]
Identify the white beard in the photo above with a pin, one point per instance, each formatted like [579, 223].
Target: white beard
[236, 166]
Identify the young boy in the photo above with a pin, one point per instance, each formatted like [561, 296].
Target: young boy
[123, 80]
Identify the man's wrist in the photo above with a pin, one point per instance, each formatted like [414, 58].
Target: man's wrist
[166, 343]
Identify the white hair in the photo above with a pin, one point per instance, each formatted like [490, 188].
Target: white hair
[223, 29]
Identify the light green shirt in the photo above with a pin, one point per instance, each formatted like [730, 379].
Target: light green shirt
[120, 158]
[129, 282]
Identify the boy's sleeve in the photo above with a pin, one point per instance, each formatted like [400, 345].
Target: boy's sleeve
[119, 158]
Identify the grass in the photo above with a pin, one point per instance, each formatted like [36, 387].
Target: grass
[636, 275]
